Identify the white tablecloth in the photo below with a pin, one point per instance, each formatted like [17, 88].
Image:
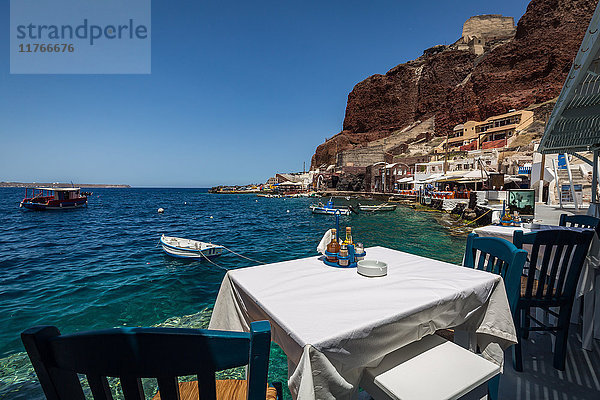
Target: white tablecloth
[585, 286]
[332, 322]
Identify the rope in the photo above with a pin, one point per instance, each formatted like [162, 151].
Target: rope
[470, 222]
[211, 261]
[247, 258]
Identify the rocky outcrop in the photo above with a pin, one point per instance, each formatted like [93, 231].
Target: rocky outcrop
[456, 85]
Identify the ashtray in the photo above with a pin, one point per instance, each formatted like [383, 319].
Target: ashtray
[372, 268]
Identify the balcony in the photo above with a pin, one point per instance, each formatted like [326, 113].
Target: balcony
[494, 144]
[469, 147]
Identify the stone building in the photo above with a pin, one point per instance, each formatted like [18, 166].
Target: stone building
[494, 132]
[481, 32]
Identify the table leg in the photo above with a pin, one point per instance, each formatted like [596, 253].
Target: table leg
[465, 339]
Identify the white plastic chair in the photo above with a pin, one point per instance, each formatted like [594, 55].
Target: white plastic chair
[430, 369]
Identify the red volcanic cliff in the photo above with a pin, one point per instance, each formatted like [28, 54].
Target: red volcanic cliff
[454, 85]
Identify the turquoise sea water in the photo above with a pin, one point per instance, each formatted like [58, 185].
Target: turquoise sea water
[100, 267]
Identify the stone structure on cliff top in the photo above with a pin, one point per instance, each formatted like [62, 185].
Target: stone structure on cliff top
[481, 32]
[448, 85]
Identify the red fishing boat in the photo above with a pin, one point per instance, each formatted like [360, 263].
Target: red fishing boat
[53, 199]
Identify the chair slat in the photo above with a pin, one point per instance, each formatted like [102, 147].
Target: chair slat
[542, 275]
[482, 261]
[168, 388]
[490, 263]
[557, 265]
[564, 270]
[99, 386]
[532, 275]
[257, 371]
[132, 388]
[57, 384]
[207, 388]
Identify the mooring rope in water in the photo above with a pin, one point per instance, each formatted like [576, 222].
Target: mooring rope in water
[247, 258]
[470, 222]
[485, 213]
[211, 261]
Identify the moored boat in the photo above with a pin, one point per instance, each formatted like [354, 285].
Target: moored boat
[377, 207]
[188, 248]
[54, 199]
[328, 209]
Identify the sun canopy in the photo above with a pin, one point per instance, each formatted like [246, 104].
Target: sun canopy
[288, 183]
[451, 176]
[574, 124]
[58, 189]
[405, 180]
[430, 179]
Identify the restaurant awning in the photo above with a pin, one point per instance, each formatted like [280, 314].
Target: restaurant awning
[59, 189]
[429, 179]
[508, 178]
[288, 183]
[405, 180]
[451, 176]
[574, 125]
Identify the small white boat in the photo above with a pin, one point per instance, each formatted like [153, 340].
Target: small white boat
[380, 207]
[332, 211]
[328, 209]
[187, 248]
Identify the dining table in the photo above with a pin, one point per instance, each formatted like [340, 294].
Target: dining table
[588, 286]
[332, 323]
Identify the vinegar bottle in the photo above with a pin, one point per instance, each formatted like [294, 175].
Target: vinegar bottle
[333, 247]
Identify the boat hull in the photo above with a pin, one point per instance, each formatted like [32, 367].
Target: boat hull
[389, 207]
[180, 252]
[54, 205]
[330, 211]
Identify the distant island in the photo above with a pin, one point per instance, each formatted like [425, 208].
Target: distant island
[59, 185]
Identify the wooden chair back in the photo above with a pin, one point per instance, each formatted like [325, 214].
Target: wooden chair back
[556, 260]
[134, 353]
[498, 256]
[580, 221]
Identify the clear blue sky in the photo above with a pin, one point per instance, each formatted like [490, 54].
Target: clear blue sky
[239, 90]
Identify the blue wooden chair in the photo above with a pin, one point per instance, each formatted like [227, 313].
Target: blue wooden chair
[162, 353]
[556, 260]
[580, 221]
[501, 257]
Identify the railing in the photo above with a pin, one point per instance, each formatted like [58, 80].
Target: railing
[494, 144]
[408, 193]
[524, 170]
[442, 195]
[469, 147]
